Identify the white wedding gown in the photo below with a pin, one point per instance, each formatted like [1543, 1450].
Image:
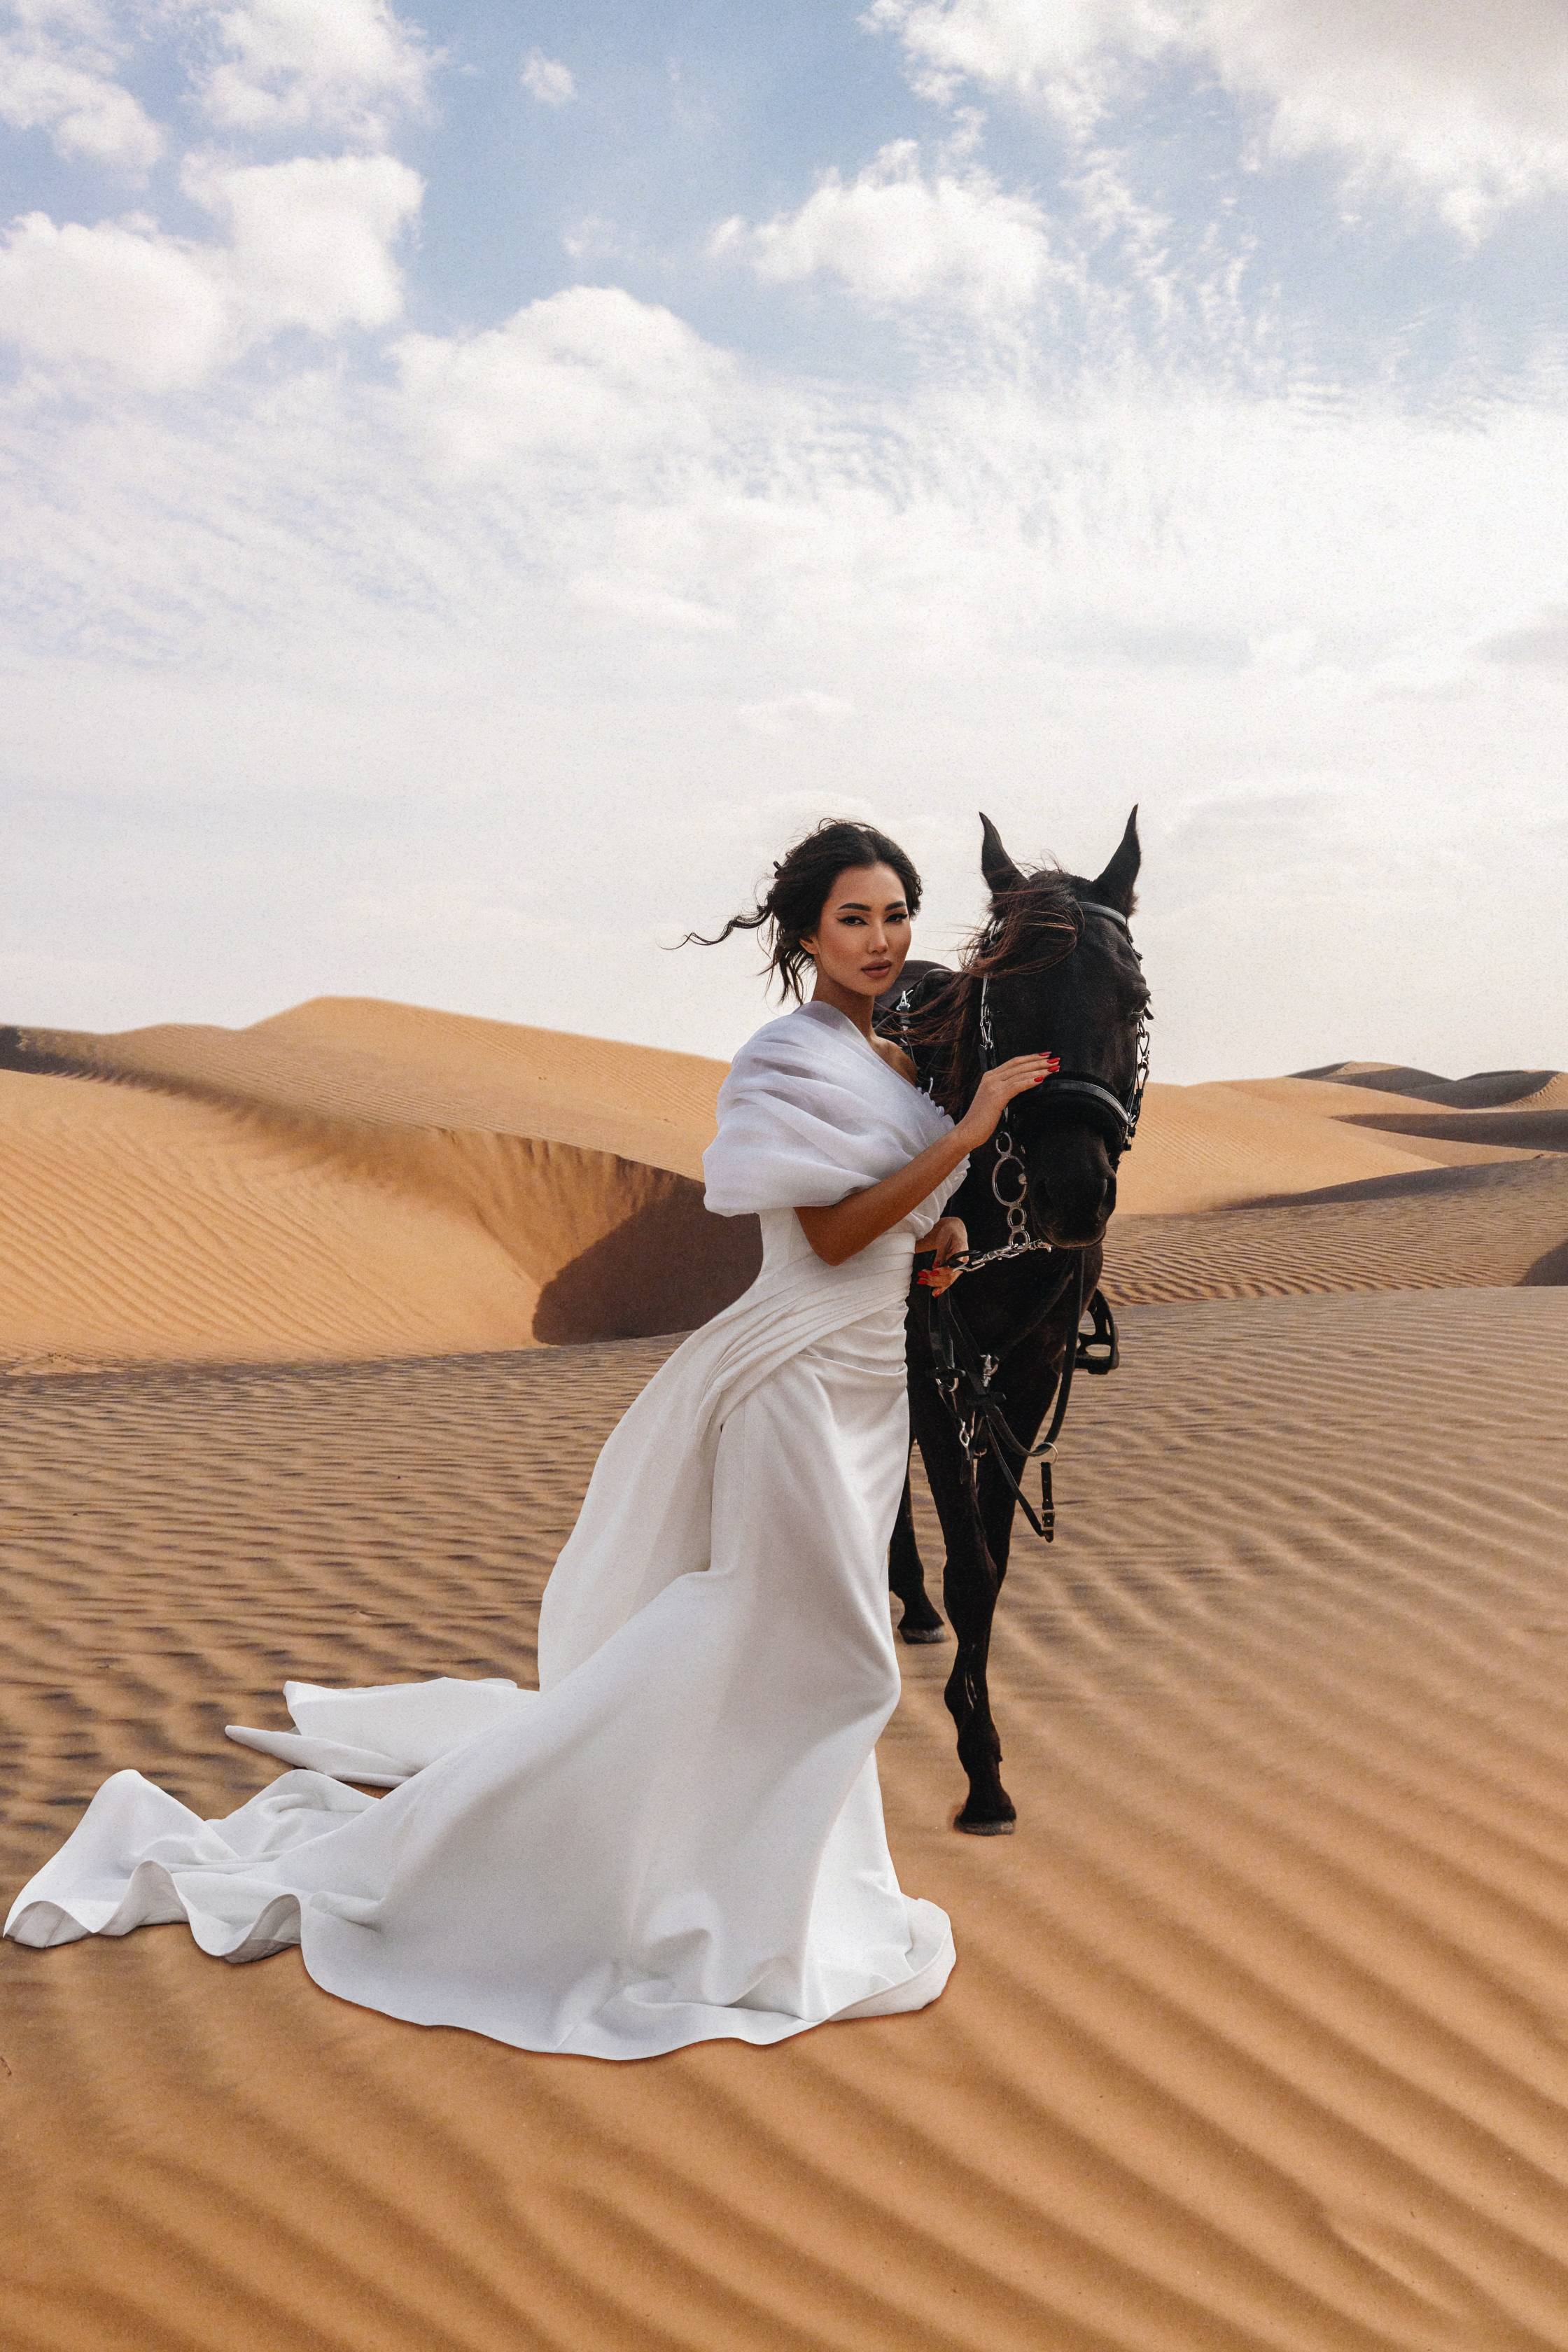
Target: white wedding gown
[679, 1835]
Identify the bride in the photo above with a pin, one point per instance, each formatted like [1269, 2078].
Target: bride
[678, 1835]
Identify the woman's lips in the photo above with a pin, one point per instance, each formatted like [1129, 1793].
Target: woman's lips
[871, 970]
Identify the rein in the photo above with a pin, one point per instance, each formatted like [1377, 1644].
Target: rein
[963, 1377]
[964, 1372]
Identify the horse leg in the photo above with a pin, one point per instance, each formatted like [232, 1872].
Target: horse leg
[977, 1567]
[970, 1586]
[972, 1595]
[1026, 1386]
[906, 1575]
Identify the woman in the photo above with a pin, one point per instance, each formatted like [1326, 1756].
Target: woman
[679, 1835]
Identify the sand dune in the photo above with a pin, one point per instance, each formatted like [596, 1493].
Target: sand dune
[356, 1178]
[1258, 2038]
[1432, 1229]
[1208, 1147]
[1414, 1133]
[1529, 1128]
[259, 1193]
[136, 1223]
[1256, 2041]
[1484, 1090]
[357, 1059]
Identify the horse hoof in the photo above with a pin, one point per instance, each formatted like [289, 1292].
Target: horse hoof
[986, 1829]
[937, 1632]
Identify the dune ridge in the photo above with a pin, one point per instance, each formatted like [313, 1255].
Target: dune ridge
[1231, 1142]
[1482, 1090]
[368, 1061]
[197, 1192]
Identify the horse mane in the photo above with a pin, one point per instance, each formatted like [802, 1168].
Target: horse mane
[1033, 925]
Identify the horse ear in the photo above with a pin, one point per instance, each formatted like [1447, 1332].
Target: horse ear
[998, 868]
[1116, 886]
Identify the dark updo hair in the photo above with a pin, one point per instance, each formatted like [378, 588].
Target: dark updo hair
[791, 907]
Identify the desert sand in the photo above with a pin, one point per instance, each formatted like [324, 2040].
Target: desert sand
[1258, 2037]
[351, 1179]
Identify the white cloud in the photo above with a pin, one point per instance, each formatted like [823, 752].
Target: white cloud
[594, 238]
[1469, 112]
[1469, 107]
[896, 236]
[347, 66]
[591, 373]
[1018, 44]
[566, 577]
[278, 605]
[119, 295]
[58, 61]
[547, 79]
[310, 244]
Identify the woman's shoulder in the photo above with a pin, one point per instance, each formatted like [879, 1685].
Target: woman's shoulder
[809, 1035]
[896, 1059]
[786, 1035]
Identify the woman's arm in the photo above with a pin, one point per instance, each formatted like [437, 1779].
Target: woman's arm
[839, 1232]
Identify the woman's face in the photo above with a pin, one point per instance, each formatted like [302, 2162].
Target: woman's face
[863, 936]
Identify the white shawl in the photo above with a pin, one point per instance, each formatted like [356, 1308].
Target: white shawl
[810, 1113]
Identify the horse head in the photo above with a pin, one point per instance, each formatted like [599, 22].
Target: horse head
[1060, 974]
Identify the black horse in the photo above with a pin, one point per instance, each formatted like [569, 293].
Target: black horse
[1053, 970]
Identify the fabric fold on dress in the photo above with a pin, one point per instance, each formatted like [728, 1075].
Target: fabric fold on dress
[678, 1835]
[383, 1732]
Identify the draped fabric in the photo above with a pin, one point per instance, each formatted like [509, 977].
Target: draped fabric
[678, 1836]
[810, 1112]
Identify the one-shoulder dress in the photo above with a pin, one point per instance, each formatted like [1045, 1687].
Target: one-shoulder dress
[678, 1836]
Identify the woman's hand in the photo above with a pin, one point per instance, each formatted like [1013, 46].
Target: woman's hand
[997, 1090]
[948, 1239]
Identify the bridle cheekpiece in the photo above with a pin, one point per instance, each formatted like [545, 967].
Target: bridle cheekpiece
[1115, 1114]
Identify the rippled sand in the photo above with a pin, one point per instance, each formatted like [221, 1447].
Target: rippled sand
[1258, 2038]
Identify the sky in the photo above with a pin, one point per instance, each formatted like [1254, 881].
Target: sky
[477, 483]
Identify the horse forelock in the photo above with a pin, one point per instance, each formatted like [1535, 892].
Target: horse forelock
[1031, 928]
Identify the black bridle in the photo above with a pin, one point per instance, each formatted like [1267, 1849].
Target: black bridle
[963, 1377]
[1116, 1115]
[963, 1371]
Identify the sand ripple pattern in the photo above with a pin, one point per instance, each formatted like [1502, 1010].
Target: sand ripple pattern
[1258, 2039]
[1436, 1229]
